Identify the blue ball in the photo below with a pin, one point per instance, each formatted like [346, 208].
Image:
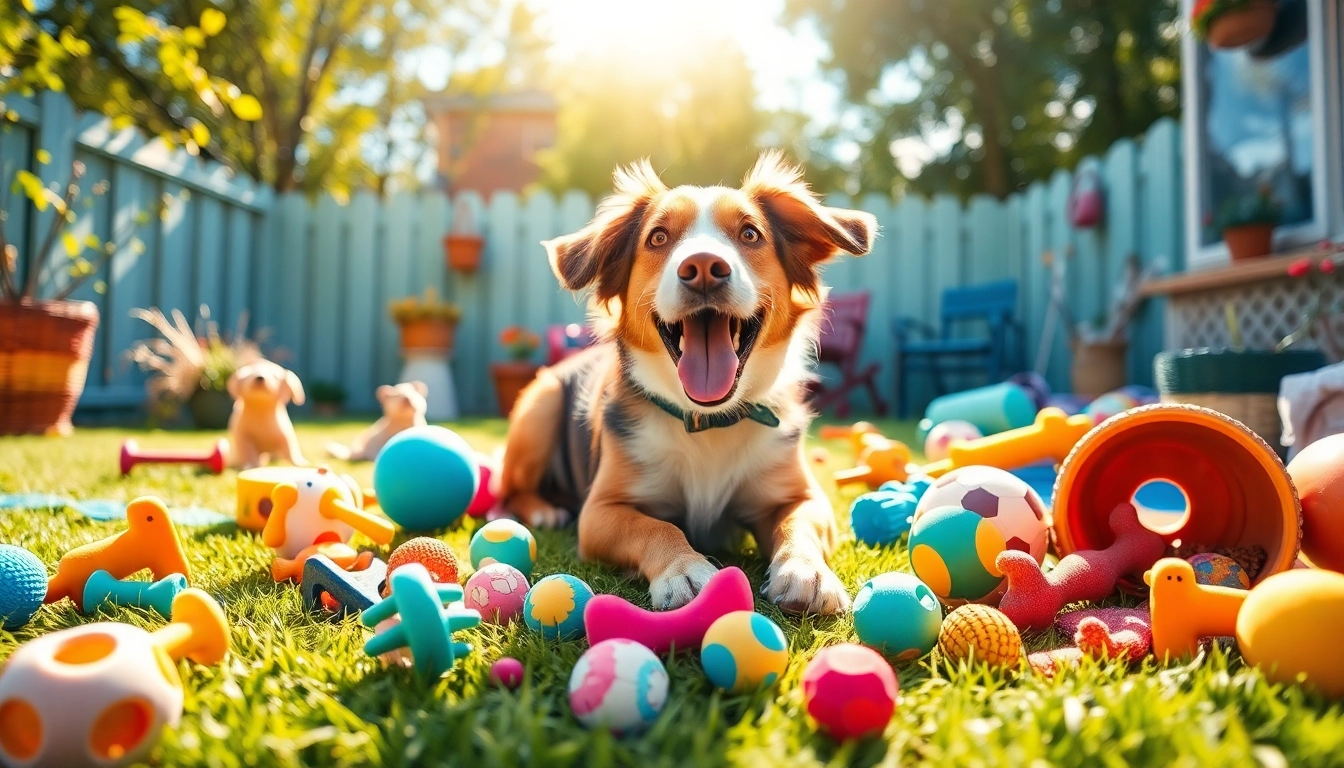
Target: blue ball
[504, 541]
[555, 606]
[425, 478]
[897, 614]
[23, 585]
[881, 517]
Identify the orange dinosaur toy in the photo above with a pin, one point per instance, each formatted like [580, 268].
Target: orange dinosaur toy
[1183, 610]
[149, 541]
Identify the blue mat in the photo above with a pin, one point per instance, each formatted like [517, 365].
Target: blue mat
[106, 509]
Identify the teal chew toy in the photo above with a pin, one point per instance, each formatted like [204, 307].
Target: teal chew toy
[428, 621]
[504, 541]
[881, 517]
[103, 588]
[993, 409]
[897, 614]
[23, 586]
[425, 478]
[915, 486]
[555, 606]
[953, 550]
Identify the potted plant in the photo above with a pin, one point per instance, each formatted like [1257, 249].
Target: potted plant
[518, 371]
[327, 397]
[426, 323]
[1233, 23]
[1247, 224]
[191, 368]
[462, 245]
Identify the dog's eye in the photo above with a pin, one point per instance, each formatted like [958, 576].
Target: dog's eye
[658, 238]
[750, 234]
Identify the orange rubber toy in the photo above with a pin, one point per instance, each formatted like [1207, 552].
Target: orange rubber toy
[1183, 610]
[1052, 437]
[149, 541]
[880, 461]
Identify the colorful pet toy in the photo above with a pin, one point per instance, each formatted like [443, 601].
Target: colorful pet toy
[498, 592]
[1184, 610]
[897, 614]
[328, 586]
[610, 616]
[438, 558]
[23, 584]
[619, 685]
[743, 651]
[319, 515]
[1289, 628]
[426, 477]
[1102, 633]
[214, 461]
[504, 541]
[426, 625]
[850, 690]
[879, 461]
[102, 588]
[507, 673]
[979, 633]
[555, 606]
[880, 518]
[1318, 473]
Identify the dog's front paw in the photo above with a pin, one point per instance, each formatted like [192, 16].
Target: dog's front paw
[536, 512]
[800, 584]
[680, 582]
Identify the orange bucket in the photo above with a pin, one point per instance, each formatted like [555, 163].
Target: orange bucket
[1237, 492]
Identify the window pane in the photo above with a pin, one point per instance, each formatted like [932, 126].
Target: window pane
[1258, 132]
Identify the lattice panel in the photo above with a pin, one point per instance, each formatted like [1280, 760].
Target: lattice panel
[1266, 311]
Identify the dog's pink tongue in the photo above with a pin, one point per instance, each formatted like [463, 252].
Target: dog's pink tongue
[708, 364]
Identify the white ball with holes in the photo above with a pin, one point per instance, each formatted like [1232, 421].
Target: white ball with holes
[95, 695]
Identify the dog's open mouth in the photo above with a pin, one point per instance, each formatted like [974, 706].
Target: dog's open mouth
[710, 349]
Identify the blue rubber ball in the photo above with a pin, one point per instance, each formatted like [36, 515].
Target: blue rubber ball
[23, 585]
[425, 478]
[881, 517]
[897, 614]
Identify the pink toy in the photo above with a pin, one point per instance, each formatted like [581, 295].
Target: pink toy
[1102, 633]
[507, 673]
[850, 690]
[497, 592]
[485, 499]
[132, 454]
[609, 616]
[1033, 598]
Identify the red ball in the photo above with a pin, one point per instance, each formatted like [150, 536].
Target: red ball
[485, 499]
[850, 691]
[437, 557]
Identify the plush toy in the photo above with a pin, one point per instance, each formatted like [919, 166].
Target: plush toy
[403, 408]
[1184, 610]
[1033, 598]
[610, 616]
[1101, 633]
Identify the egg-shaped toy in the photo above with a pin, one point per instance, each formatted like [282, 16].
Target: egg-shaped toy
[619, 685]
[426, 477]
[507, 673]
[979, 633]
[497, 592]
[1007, 501]
[504, 541]
[953, 550]
[23, 586]
[555, 605]
[881, 517]
[897, 614]
[944, 434]
[1318, 473]
[743, 651]
[850, 690]
[1219, 570]
[1289, 627]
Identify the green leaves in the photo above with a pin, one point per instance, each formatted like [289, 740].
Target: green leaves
[246, 107]
[212, 22]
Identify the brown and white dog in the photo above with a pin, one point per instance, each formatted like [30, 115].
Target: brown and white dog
[686, 423]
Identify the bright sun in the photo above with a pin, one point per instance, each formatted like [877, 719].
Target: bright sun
[652, 28]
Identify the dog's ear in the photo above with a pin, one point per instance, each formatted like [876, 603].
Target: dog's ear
[236, 380]
[806, 233]
[291, 385]
[421, 387]
[602, 252]
[384, 392]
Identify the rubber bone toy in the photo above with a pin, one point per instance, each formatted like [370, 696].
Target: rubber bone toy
[319, 514]
[608, 616]
[1183, 610]
[880, 460]
[1033, 598]
[428, 621]
[149, 541]
[104, 589]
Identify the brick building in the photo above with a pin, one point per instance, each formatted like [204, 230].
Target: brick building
[487, 144]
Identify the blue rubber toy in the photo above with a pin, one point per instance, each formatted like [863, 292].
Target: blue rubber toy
[915, 486]
[353, 591]
[23, 585]
[555, 606]
[427, 621]
[103, 588]
[897, 614]
[881, 517]
[425, 478]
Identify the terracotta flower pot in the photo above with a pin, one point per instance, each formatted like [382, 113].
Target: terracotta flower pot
[1098, 368]
[210, 408]
[1249, 241]
[427, 336]
[463, 252]
[510, 379]
[44, 358]
[1243, 26]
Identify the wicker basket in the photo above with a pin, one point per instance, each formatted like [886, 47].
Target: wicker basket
[44, 357]
[1258, 411]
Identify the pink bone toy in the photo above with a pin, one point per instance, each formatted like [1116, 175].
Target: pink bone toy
[1033, 598]
[609, 616]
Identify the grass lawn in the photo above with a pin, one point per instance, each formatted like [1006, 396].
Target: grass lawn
[297, 691]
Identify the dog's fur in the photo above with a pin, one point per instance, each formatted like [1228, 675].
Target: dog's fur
[585, 434]
[260, 429]
[403, 407]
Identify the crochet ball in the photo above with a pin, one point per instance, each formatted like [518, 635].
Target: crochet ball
[425, 478]
[1000, 497]
[437, 557]
[897, 614]
[497, 592]
[881, 517]
[944, 434]
[504, 541]
[1219, 570]
[555, 605]
[619, 685]
[952, 550]
[978, 633]
[850, 691]
[23, 586]
[507, 673]
[743, 651]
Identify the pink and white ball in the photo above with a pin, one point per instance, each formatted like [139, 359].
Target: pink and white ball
[619, 685]
[497, 591]
[1000, 497]
[944, 434]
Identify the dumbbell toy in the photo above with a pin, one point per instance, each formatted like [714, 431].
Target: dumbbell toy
[102, 588]
[428, 621]
[214, 460]
[609, 616]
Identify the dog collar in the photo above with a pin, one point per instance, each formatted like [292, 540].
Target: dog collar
[699, 422]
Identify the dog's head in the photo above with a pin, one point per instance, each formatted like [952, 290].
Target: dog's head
[708, 288]
[265, 383]
[404, 402]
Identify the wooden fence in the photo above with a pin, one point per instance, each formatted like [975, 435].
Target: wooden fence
[320, 273]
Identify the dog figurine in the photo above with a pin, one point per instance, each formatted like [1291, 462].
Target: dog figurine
[260, 429]
[403, 408]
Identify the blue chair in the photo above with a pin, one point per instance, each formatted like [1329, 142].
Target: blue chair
[921, 349]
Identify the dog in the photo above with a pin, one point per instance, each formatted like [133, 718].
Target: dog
[403, 407]
[260, 429]
[685, 423]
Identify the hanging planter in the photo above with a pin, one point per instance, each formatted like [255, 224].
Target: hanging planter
[462, 247]
[1228, 24]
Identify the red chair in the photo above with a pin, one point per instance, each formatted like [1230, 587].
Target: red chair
[844, 321]
[565, 340]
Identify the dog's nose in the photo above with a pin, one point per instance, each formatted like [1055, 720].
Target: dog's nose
[703, 271]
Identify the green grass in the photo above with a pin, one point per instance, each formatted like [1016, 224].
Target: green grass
[297, 691]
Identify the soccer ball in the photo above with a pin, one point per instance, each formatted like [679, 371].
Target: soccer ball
[1003, 499]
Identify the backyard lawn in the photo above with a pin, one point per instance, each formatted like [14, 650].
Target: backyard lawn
[299, 691]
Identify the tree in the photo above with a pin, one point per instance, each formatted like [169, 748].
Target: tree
[1002, 92]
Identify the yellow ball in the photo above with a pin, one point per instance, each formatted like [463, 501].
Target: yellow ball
[980, 633]
[1290, 626]
[742, 651]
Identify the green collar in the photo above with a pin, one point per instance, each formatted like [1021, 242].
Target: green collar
[699, 422]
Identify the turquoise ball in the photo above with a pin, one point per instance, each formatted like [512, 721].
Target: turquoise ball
[23, 586]
[897, 614]
[504, 541]
[555, 606]
[881, 517]
[425, 478]
[953, 550]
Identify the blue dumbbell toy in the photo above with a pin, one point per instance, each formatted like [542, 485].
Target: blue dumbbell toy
[427, 622]
[352, 591]
[23, 586]
[881, 517]
[914, 486]
[103, 588]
